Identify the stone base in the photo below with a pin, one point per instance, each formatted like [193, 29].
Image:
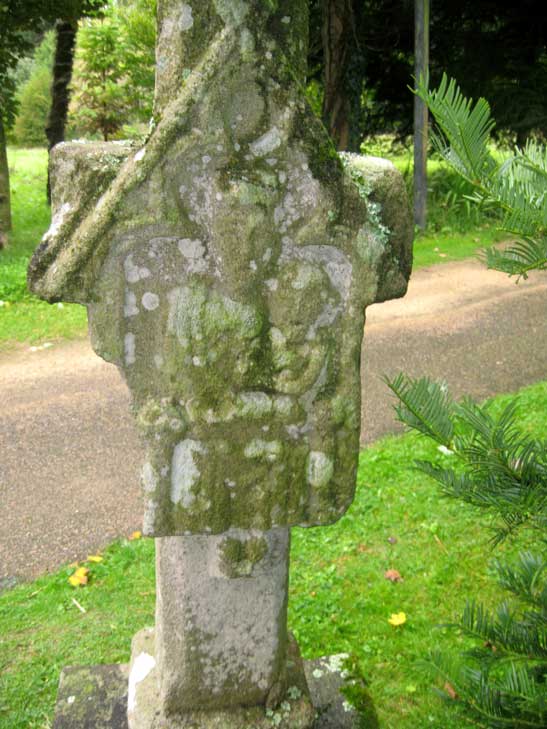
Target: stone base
[295, 711]
[95, 697]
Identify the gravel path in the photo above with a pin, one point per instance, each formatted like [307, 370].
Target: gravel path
[70, 455]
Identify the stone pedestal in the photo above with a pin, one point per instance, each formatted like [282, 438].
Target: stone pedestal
[221, 619]
[95, 697]
[146, 704]
[219, 655]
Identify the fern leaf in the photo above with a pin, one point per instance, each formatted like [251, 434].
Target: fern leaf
[425, 406]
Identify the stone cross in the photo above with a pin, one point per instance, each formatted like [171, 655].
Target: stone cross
[226, 266]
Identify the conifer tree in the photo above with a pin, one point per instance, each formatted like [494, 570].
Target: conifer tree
[499, 467]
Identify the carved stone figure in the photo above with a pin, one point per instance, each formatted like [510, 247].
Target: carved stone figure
[226, 265]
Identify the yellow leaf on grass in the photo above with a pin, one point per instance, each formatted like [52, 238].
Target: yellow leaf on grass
[397, 619]
[135, 535]
[79, 577]
[94, 558]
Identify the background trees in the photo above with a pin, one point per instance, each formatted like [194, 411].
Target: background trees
[497, 50]
[21, 26]
[113, 82]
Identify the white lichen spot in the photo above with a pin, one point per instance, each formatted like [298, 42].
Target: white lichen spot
[282, 176]
[263, 449]
[283, 405]
[317, 673]
[269, 55]
[130, 307]
[335, 664]
[237, 146]
[71, 699]
[266, 143]
[56, 221]
[254, 404]
[194, 251]
[144, 663]
[140, 154]
[320, 469]
[272, 283]
[129, 348]
[267, 255]
[191, 248]
[286, 19]
[184, 472]
[149, 478]
[218, 196]
[205, 159]
[197, 362]
[253, 266]
[186, 19]
[158, 361]
[272, 161]
[150, 301]
[134, 273]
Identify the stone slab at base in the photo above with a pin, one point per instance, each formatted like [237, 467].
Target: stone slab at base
[95, 697]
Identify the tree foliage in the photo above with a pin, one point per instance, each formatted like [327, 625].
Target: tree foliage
[113, 81]
[21, 25]
[499, 50]
[34, 97]
[515, 184]
[497, 466]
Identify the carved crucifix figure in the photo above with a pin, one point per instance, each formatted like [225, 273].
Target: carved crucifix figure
[226, 266]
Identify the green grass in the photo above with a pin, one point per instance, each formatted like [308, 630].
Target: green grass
[22, 317]
[447, 246]
[339, 598]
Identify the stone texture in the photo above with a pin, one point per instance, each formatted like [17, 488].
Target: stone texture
[95, 697]
[325, 677]
[146, 709]
[226, 269]
[92, 697]
[221, 619]
[226, 266]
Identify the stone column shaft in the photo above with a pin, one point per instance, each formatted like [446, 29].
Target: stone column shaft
[221, 619]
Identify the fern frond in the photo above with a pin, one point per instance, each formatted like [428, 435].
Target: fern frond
[519, 258]
[515, 698]
[510, 633]
[425, 406]
[465, 128]
[517, 186]
[527, 579]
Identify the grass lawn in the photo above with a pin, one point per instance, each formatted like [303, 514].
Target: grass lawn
[339, 597]
[22, 317]
[455, 233]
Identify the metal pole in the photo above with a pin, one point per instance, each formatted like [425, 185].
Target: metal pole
[421, 66]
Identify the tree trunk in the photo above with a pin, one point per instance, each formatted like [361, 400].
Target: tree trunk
[338, 25]
[421, 69]
[5, 204]
[65, 33]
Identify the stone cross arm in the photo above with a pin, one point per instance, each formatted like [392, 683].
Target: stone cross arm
[226, 265]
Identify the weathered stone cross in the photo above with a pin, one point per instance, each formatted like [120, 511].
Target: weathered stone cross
[226, 266]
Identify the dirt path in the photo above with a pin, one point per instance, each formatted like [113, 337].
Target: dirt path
[70, 455]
